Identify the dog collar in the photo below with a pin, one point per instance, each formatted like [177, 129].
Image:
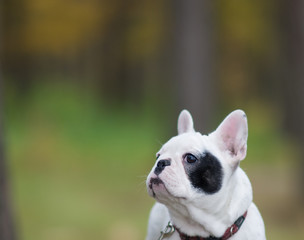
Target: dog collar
[228, 233]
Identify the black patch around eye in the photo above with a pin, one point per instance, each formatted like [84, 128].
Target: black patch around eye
[206, 174]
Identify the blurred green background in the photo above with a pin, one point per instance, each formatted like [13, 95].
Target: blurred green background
[91, 89]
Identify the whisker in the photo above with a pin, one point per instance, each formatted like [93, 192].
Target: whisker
[142, 183]
[159, 142]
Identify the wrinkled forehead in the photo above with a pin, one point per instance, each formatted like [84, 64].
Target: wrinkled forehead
[188, 143]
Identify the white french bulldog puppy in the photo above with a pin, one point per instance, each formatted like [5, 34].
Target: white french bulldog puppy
[201, 191]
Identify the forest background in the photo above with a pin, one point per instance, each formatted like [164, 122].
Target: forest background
[91, 89]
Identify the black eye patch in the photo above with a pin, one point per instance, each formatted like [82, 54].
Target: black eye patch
[206, 173]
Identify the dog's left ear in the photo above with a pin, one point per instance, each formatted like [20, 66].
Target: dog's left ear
[232, 135]
[185, 122]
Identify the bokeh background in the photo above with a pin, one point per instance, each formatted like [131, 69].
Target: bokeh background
[91, 89]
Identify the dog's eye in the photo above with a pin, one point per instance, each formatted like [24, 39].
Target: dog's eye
[157, 156]
[190, 158]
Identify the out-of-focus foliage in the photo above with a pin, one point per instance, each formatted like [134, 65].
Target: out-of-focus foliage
[248, 38]
[50, 27]
[54, 27]
[78, 169]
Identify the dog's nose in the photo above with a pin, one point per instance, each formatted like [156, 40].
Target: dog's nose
[161, 164]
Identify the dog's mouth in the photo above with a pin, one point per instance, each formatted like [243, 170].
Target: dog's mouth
[159, 191]
[155, 182]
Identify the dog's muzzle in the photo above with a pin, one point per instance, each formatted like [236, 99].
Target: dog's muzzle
[161, 164]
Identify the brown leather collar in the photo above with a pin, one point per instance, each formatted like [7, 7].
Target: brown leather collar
[228, 233]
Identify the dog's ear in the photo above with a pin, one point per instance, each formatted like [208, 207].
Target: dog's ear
[232, 135]
[185, 122]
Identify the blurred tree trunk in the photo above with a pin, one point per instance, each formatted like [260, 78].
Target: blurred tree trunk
[6, 224]
[122, 80]
[194, 56]
[293, 82]
[17, 63]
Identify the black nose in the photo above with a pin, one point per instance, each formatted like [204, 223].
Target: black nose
[161, 164]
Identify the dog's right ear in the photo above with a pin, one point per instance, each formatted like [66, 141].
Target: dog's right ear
[232, 135]
[185, 122]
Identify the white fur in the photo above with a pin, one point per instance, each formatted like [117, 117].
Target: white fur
[185, 122]
[192, 211]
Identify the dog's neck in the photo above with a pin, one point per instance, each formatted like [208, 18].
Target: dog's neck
[233, 229]
[212, 216]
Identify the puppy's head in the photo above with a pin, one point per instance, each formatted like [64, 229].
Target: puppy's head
[191, 165]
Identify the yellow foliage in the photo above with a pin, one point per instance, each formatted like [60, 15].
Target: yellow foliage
[246, 36]
[55, 26]
[247, 24]
[64, 27]
[144, 36]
